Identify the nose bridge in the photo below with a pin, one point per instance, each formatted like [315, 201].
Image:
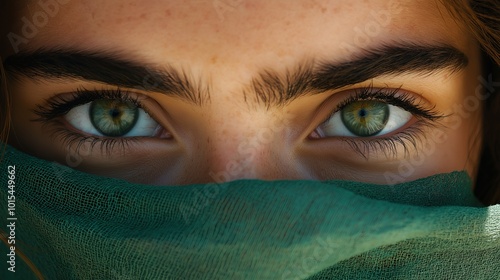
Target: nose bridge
[236, 156]
[249, 150]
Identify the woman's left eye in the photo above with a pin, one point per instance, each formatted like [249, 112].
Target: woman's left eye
[112, 118]
[364, 118]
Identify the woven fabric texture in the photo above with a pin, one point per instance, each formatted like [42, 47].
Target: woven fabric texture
[73, 225]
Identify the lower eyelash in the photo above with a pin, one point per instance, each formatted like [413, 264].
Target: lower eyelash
[78, 141]
[407, 139]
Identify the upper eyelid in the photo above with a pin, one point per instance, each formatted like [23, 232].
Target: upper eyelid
[399, 97]
[61, 103]
[358, 92]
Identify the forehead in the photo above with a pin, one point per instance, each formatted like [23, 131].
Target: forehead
[238, 31]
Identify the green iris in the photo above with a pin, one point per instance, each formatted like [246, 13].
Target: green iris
[365, 118]
[112, 117]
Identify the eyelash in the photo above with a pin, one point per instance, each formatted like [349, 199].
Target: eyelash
[60, 105]
[426, 117]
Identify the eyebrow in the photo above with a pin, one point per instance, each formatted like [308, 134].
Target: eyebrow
[275, 89]
[269, 88]
[106, 68]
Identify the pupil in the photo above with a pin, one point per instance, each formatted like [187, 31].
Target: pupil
[362, 113]
[114, 113]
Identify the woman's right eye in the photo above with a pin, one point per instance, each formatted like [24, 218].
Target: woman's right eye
[112, 118]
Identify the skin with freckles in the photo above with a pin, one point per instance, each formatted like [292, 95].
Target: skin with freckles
[223, 50]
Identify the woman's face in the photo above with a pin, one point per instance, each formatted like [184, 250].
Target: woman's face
[170, 92]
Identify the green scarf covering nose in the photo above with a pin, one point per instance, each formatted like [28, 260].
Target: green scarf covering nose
[73, 225]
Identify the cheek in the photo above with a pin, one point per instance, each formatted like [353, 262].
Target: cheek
[456, 147]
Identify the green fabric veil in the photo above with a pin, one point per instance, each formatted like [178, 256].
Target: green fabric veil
[72, 225]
